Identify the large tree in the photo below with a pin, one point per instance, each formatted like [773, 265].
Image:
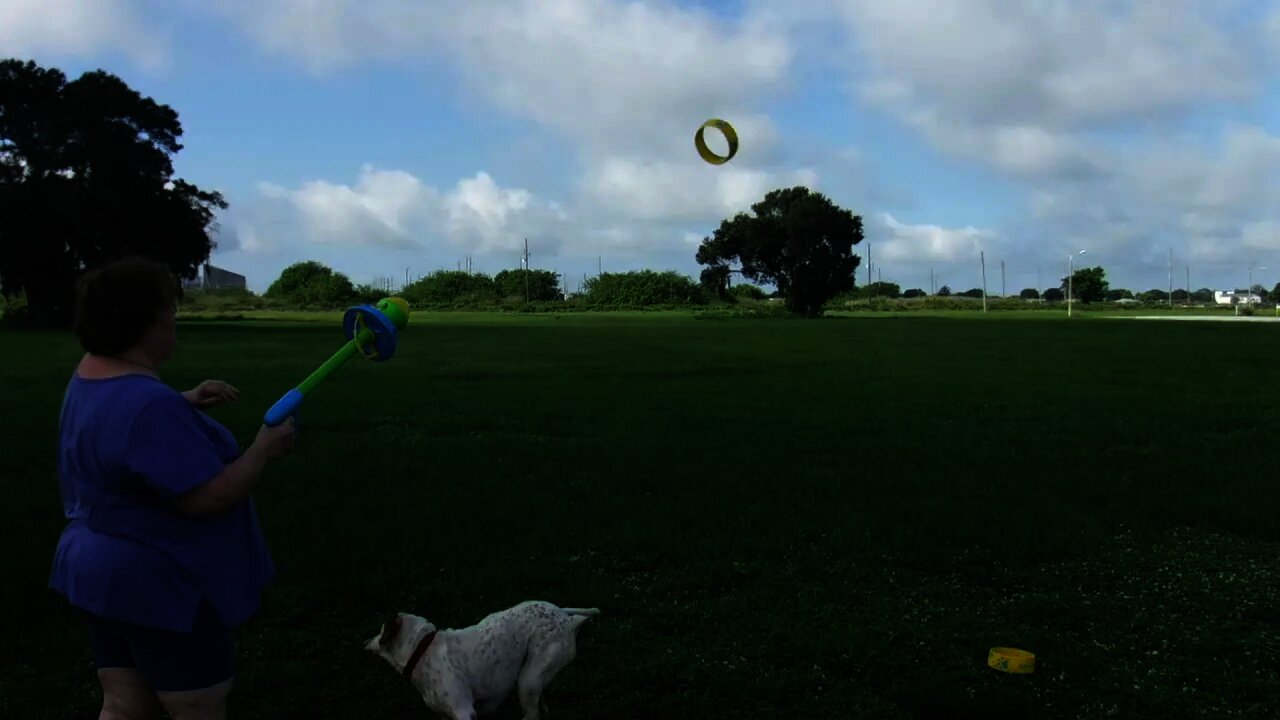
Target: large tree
[798, 241]
[86, 177]
[1153, 296]
[539, 285]
[879, 289]
[312, 283]
[1087, 285]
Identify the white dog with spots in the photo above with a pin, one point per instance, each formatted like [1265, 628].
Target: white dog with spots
[460, 673]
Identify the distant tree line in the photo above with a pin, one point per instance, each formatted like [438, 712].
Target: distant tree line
[1087, 286]
[314, 285]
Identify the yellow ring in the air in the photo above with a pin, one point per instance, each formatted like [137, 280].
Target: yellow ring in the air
[729, 134]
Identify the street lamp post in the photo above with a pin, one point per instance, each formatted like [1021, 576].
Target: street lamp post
[1248, 290]
[1071, 276]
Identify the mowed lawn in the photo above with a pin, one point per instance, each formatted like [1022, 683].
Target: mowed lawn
[819, 519]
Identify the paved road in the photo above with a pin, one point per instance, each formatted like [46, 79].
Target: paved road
[1211, 318]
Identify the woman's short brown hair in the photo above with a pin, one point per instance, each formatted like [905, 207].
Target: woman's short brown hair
[116, 303]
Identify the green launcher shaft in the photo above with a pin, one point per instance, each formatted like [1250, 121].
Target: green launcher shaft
[334, 362]
[287, 406]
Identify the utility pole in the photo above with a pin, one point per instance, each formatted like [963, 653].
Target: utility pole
[870, 290]
[1248, 291]
[983, 257]
[526, 270]
[932, 287]
[1170, 278]
[1188, 285]
[1003, 290]
[1071, 276]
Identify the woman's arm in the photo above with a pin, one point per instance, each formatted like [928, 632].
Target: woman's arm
[210, 393]
[228, 488]
[169, 448]
[238, 479]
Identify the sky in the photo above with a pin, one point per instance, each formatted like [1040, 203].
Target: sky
[394, 138]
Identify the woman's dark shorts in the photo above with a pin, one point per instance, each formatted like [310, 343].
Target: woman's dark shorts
[170, 661]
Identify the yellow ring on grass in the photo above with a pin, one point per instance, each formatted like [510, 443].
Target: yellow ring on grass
[729, 134]
[1011, 660]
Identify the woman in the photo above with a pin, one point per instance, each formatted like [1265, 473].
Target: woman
[163, 553]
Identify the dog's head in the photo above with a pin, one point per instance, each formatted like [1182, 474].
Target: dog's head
[398, 637]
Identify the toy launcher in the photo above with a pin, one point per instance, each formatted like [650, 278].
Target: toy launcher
[370, 330]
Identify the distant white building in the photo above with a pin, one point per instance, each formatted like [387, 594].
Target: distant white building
[1232, 297]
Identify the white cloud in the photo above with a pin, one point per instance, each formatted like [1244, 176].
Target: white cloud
[394, 209]
[30, 28]
[1027, 152]
[250, 242]
[486, 218]
[1263, 235]
[1208, 194]
[606, 73]
[1054, 63]
[1013, 85]
[1217, 191]
[1079, 103]
[655, 190]
[379, 208]
[896, 241]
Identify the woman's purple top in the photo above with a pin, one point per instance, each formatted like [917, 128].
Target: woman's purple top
[128, 446]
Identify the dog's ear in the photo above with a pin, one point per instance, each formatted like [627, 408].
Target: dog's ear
[390, 629]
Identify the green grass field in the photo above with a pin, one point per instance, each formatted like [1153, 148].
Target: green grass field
[826, 519]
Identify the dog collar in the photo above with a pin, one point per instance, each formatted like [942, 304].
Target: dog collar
[418, 652]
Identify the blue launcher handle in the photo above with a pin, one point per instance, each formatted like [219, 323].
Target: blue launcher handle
[285, 407]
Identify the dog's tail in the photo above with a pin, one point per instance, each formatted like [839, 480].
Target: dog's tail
[588, 612]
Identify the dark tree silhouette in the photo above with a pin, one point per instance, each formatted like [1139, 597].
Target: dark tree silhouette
[312, 283]
[798, 241]
[1088, 285]
[86, 177]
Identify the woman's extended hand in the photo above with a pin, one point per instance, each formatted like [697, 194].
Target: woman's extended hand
[275, 441]
[210, 393]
